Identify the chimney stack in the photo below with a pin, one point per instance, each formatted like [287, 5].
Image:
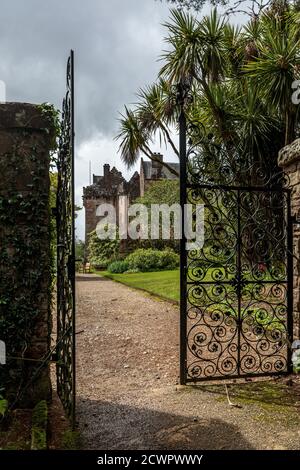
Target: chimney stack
[157, 164]
[106, 170]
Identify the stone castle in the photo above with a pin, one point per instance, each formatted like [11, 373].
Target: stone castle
[112, 188]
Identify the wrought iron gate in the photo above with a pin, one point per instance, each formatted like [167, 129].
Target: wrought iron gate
[66, 252]
[237, 290]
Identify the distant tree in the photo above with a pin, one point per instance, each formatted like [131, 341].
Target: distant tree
[102, 252]
[53, 176]
[53, 232]
[77, 209]
[249, 7]
[241, 87]
[161, 192]
[79, 250]
[196, 5]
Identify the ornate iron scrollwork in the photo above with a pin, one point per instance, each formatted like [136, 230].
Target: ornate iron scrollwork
[66, 252]
[237, 317]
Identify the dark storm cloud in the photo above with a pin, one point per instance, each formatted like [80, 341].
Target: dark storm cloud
[116, 44]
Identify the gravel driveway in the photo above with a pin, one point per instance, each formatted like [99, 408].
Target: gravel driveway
[127, 383]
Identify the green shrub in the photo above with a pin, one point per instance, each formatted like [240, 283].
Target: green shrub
[99, 262]
[168, 259]
[118, 267]
[151, 260]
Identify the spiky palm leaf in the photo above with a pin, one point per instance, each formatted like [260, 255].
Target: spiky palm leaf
[277, 66]
[134, 138]
[212, 53]
[184, 41]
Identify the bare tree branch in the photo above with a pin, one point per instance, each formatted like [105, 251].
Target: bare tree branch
[253, 10]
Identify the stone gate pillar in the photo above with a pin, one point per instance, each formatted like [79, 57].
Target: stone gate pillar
[289, 161]
[26, 136]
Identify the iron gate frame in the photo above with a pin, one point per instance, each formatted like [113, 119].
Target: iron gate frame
[65, 224]
[182, 97]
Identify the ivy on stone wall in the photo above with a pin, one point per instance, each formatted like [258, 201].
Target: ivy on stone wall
[23, 253]
[25, 264]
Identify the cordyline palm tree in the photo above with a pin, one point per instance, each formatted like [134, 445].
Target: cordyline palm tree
[197, 52]
[155, 111]
[153, 115]
[277, 66]
[241, 86]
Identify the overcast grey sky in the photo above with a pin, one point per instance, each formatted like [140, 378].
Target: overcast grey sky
[116, 44]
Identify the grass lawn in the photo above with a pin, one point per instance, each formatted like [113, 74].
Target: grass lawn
[165, 284]
[161, 283]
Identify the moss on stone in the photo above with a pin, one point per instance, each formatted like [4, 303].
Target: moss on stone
[3, 407]
[39, 426]
[71, 440]
[273, 400]
[275, 394]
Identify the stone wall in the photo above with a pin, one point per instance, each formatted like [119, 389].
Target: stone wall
[289, 161]
[25, 326]
[91, 218]
[107, 189]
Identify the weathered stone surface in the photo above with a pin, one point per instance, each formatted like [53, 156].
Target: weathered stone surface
[111, 187]
[293, 179]
[289, 160]
[289, 154]
[25, 116]
[18, 165]
[107, 189]
[23, 127]
[25, 139]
